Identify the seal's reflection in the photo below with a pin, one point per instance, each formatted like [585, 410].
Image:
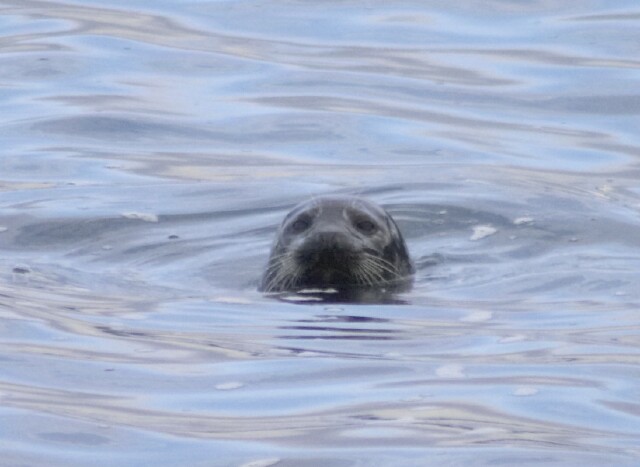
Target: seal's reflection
[360, 296]
[340, 327]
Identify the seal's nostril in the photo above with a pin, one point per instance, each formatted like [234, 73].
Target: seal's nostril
[329, 237]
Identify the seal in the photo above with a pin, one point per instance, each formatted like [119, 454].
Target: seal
[341, 244]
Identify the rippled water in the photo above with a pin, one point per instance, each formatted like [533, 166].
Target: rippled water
[149, 149]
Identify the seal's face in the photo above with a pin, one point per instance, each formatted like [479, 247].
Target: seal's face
[337, 243]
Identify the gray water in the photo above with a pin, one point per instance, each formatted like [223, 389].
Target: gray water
[149, 150]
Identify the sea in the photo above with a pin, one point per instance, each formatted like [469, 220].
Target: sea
[150, 149]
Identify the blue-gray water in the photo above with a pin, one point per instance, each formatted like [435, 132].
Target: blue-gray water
[149, 149]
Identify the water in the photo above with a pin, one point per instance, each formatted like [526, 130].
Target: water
[149, 149]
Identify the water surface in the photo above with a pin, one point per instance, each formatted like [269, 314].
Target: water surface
[151, 148]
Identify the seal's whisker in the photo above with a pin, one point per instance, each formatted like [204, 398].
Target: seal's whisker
[383, 265]
[361, 276]
[373, 264]
[382, 261]
[288, 275]
[371, 278]
[281, 271]
[371, 271]
[276, 258]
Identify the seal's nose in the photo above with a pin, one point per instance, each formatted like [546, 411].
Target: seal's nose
[328, 238]
[326, 247]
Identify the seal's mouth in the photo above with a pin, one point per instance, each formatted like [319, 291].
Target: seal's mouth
[329, 266]
[328, 277]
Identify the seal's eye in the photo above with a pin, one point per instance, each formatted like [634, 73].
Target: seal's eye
[366, 227]
[300, 225]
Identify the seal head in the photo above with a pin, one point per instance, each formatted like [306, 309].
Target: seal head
[341, 243]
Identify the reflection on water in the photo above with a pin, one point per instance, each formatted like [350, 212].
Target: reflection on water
[150, 150]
